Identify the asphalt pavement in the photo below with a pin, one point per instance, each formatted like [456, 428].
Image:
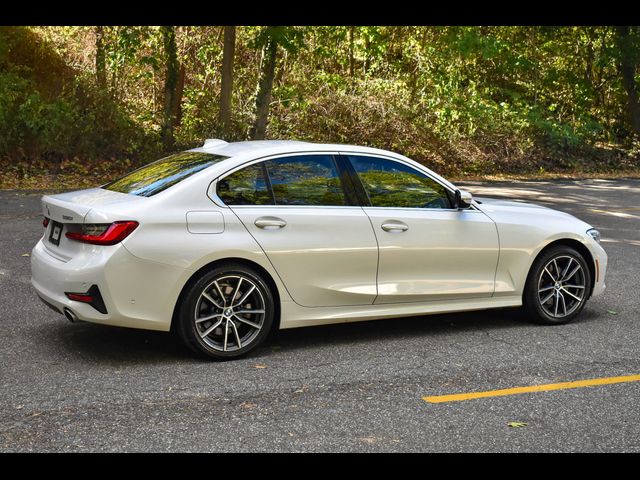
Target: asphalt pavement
[355, 387]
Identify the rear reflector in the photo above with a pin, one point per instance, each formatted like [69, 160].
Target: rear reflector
[80, 297]
[45, 222]
[91, 296]
[103, 234]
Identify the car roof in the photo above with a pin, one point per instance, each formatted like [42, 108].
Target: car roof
[261, 148]
[241, 152]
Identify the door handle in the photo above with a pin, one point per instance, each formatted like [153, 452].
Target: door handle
[395, 226]
[270, 223]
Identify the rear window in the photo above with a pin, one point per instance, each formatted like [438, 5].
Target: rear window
[164, 173]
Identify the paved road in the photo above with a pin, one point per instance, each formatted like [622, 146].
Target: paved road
[357, 387]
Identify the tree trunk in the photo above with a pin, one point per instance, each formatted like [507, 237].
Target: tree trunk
[227, 79]
[170, 84]
[101, 69]
[176, 108]
[265, 86]
[627, 65]
[352, 63]
[367, 58]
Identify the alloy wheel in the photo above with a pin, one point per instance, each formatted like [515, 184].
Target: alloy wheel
[561, 286]
[229, 313]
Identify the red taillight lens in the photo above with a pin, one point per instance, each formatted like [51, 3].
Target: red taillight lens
[103, 234]
[45, 222]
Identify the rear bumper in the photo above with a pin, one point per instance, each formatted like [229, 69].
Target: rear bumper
[137, 293]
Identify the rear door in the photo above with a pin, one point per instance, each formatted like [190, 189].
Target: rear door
[302, 211]
[429, 251]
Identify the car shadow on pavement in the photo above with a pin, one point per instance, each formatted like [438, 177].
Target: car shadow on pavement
[114, 345]
[411, 328]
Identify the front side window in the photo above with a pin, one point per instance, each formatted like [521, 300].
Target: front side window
[393, 184]
[162, 174]
[305, 180]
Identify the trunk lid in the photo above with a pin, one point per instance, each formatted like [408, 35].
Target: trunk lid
[67, 212]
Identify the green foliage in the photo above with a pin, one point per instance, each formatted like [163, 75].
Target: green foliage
[289, 38]
[463, 100]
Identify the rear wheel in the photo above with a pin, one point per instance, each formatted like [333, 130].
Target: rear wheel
[226, 313]
[558, 286]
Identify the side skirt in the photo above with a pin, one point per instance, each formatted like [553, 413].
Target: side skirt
[294, 316]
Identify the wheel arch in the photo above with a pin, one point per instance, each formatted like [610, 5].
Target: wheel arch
[576, 245]
[237, 260]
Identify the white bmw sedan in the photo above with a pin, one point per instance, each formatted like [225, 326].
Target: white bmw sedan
[226, 242]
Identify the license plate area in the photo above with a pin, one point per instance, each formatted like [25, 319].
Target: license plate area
[56, 233]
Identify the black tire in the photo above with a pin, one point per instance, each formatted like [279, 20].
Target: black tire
[196, 305]
[541, 284]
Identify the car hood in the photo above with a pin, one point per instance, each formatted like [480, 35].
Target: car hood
[496, 208]
[499, 203]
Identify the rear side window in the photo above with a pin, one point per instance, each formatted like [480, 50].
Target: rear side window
[164, 173]
[246, 187]
[305, 180]
[297, 180]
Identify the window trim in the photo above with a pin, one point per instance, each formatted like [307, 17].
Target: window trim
[212, 190]
[340, 157]
[366, 201]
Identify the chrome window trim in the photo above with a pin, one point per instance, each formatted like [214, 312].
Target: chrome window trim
[212, 189]
[213, 194]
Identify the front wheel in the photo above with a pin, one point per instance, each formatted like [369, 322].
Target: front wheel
[558, 286]
[226, 313]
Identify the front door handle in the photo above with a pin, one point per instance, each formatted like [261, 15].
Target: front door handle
[270, 223]
[395, 226]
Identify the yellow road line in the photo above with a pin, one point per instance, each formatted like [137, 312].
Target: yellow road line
[458, 397]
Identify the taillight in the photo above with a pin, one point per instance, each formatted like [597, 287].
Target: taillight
[103, 234]
[45, 222]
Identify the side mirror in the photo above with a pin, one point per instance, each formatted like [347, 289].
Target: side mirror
[462, 199]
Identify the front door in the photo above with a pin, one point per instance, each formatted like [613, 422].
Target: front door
[304, 215]
[428, 250]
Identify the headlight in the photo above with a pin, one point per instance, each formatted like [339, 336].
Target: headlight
[595, 234]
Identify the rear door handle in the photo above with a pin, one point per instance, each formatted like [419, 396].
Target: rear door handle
[270, 223]
[394, 226]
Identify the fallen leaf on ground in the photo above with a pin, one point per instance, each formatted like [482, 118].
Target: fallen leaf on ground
[248, 405]
[517, 424]
[612, 312]
[259, 366]
[302, 389]
[25, 255]
[369, 440]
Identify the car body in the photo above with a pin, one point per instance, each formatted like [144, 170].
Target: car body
[360, 250]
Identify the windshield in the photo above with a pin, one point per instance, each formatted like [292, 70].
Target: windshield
[162, 174]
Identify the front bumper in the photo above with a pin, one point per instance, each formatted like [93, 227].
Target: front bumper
[600, 258]
[137, 293]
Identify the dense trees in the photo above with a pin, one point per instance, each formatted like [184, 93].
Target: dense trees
[460, 99]
[628, 58]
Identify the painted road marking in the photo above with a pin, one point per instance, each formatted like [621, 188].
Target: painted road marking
[459, 397]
